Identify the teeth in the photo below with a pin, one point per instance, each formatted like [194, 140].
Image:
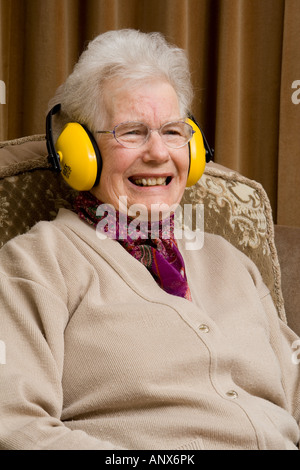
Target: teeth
[151, 181]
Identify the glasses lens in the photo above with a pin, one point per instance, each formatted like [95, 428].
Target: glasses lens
[176, 134]
[131, 134]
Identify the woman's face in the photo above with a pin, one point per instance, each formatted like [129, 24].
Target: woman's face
[154, 104]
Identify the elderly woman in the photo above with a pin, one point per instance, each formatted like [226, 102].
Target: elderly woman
[123, 342]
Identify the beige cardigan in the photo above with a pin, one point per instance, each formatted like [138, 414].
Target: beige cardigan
[99, 357]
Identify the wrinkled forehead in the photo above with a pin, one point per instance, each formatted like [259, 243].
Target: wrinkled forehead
[152, 102]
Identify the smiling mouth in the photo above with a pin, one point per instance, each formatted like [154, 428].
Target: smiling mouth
[160, 181]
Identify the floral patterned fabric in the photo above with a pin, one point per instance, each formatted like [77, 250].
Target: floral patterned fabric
[234, 207]
[239, 210]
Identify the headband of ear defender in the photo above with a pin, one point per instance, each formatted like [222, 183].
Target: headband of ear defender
[76, 154]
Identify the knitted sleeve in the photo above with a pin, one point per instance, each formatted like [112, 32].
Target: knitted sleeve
[34, 312]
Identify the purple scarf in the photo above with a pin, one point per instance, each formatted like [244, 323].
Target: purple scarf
[159, 255]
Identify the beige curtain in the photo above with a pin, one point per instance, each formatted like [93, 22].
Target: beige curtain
[245, 61]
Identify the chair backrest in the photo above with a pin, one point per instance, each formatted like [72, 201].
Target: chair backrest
[235, 207]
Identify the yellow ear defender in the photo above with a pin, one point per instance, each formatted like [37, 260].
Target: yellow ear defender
[200, 153]
[77, 157]
[75, 154]
[197, 154]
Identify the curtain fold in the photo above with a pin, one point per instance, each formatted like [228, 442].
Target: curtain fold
[288, 212]
[248, 91]
[244, 56]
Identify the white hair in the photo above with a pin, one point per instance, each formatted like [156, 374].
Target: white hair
[129, 56]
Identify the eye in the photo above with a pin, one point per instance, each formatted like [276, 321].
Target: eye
[133, 132]
[131, 129]
[171, 132]
[173, 129]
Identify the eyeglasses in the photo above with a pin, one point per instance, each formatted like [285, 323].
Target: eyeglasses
[134, 134]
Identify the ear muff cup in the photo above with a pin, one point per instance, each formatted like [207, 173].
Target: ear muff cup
[197, 155]
[79, 157]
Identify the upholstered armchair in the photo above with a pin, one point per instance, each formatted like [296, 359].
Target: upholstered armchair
[234, 206]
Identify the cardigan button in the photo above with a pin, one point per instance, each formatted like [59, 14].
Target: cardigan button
[203, 328]
[232, 394]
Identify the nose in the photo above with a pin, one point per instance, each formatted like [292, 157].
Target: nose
[155, 149]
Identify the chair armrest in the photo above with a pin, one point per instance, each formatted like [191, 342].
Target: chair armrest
[287, 240]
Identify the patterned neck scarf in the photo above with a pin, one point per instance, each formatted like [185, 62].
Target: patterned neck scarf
[160, 255]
